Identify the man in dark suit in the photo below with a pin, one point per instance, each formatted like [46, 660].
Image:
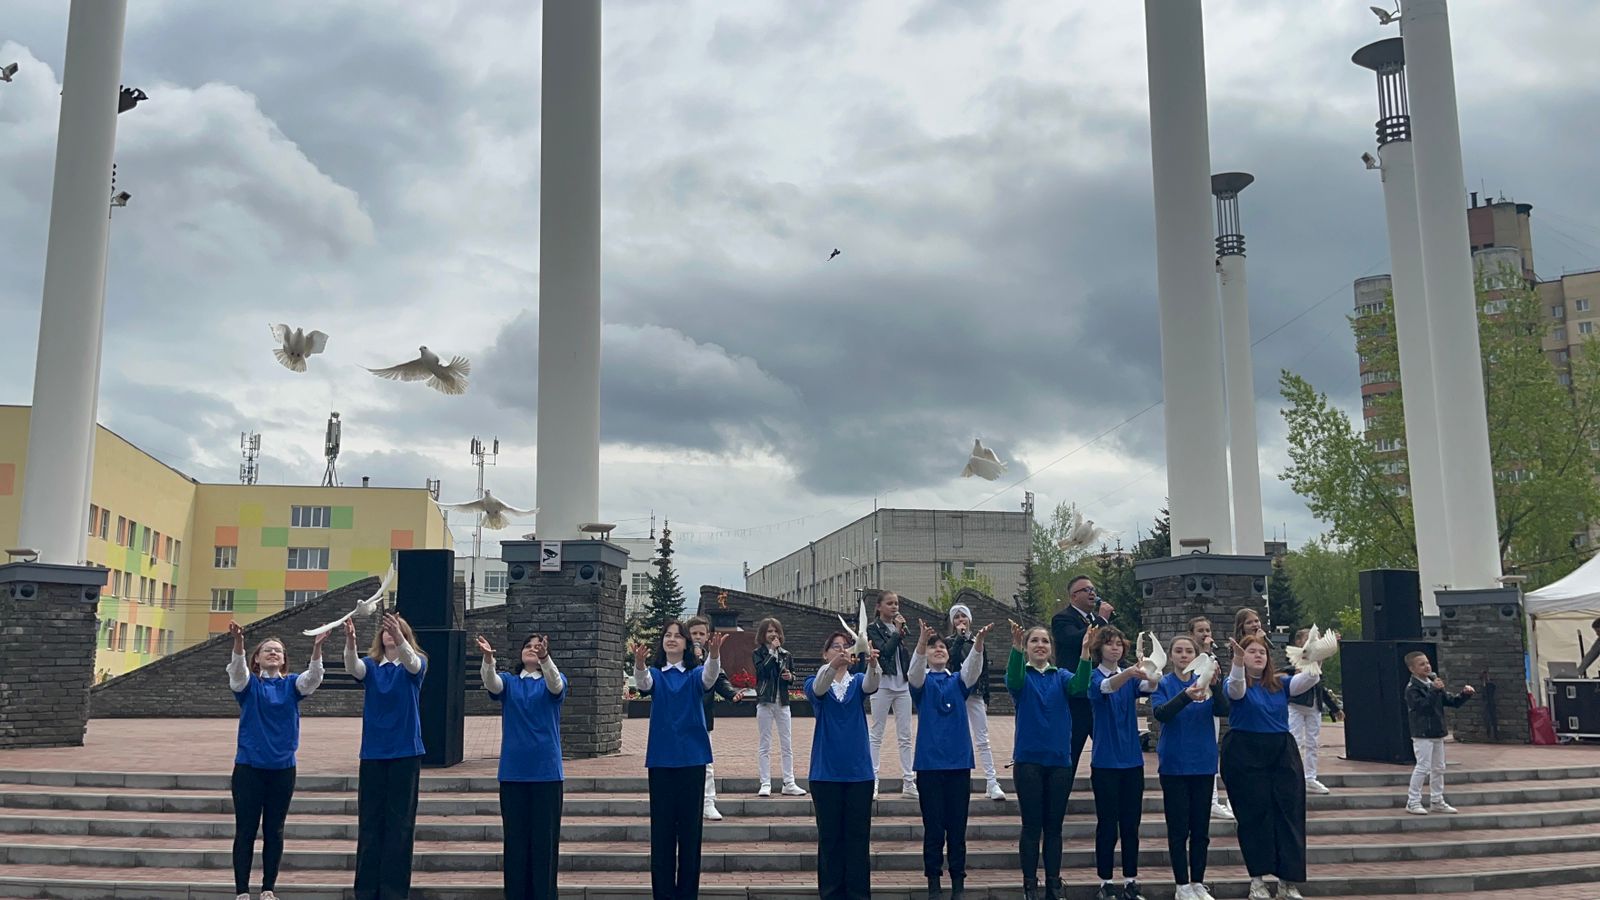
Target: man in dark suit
[1083, 609]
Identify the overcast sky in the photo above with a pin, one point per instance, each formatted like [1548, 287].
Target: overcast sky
[371, 169]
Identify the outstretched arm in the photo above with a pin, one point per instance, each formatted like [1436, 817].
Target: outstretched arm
[352, 659]
[312, 678]
[238, 668]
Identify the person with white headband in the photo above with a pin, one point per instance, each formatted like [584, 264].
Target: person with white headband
[960, 643]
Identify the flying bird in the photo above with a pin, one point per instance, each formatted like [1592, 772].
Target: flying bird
[983, 463]
[830, 255]
[365, 608]
[1204, 668]
[451, 379]
[1385, 17]
[860, 631]
[1081, 533]
[295, 346]
[496, 515]
[10, 69]
[1319, 648]
[1156, 660]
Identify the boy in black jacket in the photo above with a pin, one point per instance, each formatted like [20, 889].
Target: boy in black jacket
[1426, 699]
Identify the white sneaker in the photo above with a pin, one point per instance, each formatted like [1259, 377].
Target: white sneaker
[1220, 810]
[793, 790]
[995, 793]
[1197, 891]
[909, 791]
[1184, 892]
[1416, 809]
[1258, 889]
[242, 897]
[268, 895]
[1314, 786]
[765, 790]
[711, 814]
[1439, 806]
[1287, 891]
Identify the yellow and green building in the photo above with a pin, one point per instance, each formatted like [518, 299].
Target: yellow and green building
[185, 556]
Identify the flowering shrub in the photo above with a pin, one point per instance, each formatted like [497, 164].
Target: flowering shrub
[743, 679]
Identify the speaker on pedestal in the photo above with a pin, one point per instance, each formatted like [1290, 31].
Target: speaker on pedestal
[1391, 605]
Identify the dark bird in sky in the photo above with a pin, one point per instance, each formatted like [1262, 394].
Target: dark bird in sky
[833, 254]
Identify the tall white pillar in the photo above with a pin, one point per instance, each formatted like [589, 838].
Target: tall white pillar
[568, 478]
[1452, 301]
[1243, 458]
[66, 388]
[1191, 317]
[1429, 502]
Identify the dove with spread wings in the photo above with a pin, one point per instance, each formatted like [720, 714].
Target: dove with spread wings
[1319, 647]
[294, 345]
[859, 633]
[983, 463]
[496, 515]
[446, 379]
[1081, 533]
[363, 609]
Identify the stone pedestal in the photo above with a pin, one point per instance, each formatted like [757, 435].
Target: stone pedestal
[48, 630]
[580, 606]
[1481, 643]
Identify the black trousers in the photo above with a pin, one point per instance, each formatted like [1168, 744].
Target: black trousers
[1082, 727]
[260, 800]
[1118, 805]
[386, 827]
[676, 798]
[530, 818]
[844, 838]
[945, 794]
[1266, 783]
[1186, 802]
[1042, 791]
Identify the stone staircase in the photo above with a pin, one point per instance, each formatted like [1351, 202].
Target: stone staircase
[115, 835]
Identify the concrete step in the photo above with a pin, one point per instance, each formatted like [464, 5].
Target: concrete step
[1477, 878]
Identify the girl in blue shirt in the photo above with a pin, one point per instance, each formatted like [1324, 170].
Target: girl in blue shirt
[391, 756]
[1116, 764]
[1261, 768]
[1041, 761]
[841, 769]
[264, 766]
[944, 754]
[677, 756]
[1187, 751]
[530, 766]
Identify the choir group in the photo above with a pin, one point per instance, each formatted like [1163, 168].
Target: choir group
[1067, 682]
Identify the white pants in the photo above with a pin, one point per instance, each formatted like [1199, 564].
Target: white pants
[770, 716]
[1430, 766]
[1305, 723]
[711, 785]
[978, 722]
[900, 703]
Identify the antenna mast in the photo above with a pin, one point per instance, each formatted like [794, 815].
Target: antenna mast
[482, 455]
[330, 449]
[250, 445]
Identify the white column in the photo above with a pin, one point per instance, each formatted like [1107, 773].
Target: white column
[66, 388]
[1452, 300]
[568, 479]
[1241, 402]
[1191, 318]
[1429, 502]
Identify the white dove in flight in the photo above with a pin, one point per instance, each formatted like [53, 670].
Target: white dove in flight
[365, 608]
[295, 345]
[451, 379]
[1156, 660]
[859, 632]
[1203, 668]
[983, 463]
[1081, 533]
[496, 515]
[1319, 648]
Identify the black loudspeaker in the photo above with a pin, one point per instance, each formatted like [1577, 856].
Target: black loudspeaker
[443, 700]
[1391, 605]
[1575, 705]
[1375, 676]
[423, 595]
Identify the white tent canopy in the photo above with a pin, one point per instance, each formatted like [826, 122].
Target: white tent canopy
[1559, 617]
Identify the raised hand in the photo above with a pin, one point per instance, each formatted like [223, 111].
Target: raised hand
[977, 641]
[1016, 635]
[1237, 649]
[639, 650]
[541, 647]
[235, 629]
[715, 642]
[872, 657]
[350, 632]
[316, 644]
[483, 646]
[1105, 610]
[1089, 635]
[927, 634]
[1469, 690]
[391, 624]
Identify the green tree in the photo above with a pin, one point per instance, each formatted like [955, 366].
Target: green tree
[1031, 597]
[953, 586]
[1326, 580]
[666, 596]
[1052, 566]
[1281, 599]
[1540, 434]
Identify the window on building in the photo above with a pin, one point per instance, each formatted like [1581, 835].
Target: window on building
[111, 635]
[310, 516]
[295, 598]
[1560, 333]
[105, 523]
[1565, 378]
[176, 552]
[946, 569]
[969, 570]
[1558, 311]
[94, 519]
[155, 545]
[639, 584]
[222, 600]
[1586, 328]
[494, 582]
[225, 558]
[1581, 305]
[1386, 445]
[315, 558]
[171, 636]
[1377, 377]
[1563, 356]
[1495, 307]
[144, 541]
[144, 589]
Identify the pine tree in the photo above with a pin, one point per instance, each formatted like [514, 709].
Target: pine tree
[1283, 605]
[666, 596]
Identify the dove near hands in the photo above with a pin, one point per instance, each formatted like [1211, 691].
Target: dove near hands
[364, 608]
[496, 513]
[295, 345]
[1153, 664]
[446, 379]
[983, 463]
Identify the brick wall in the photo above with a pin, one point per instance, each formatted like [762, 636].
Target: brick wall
[47, 646]
[1481, 643]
